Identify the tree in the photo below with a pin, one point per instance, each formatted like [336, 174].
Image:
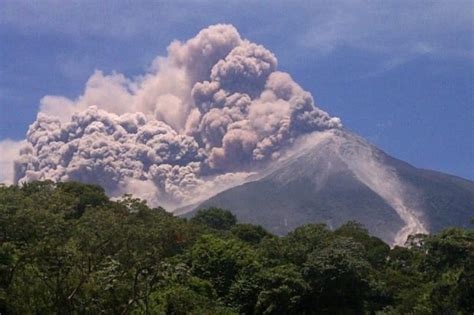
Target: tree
[215, 218]
[298, 244]
[83, 195]
[375, 249]
[220, 261]
[449, 263]
[339, 277]
[249, 233]
[67, 248]
[283, 291]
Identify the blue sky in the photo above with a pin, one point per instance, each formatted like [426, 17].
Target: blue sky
[400, 73]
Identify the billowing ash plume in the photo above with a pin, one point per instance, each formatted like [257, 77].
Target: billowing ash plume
[206, 115]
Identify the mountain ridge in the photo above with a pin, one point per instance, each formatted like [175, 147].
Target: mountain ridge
[336, 176]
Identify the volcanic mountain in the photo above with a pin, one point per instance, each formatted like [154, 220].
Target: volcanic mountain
[335, 176]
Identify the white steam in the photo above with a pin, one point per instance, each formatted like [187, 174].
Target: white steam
[202, 119]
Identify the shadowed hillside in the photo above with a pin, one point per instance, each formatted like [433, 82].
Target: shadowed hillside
[337, 177]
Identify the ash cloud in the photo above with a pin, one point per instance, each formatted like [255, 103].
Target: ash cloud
[211, 112]
[9, 152]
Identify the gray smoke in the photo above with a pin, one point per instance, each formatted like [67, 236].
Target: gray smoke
[204, 117]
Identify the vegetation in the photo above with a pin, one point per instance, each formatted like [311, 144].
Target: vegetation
[66, 248]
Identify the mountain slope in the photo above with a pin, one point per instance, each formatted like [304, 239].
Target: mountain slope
[447, 200]
[336, 176]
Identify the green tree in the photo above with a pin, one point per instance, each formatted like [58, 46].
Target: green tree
[283, 291]
[375, 249]
[215, 218]
[449, 264]
[249, 233]
[339, 277]
[220, 261]
[83, 196]
[67, 248]
[298, 244]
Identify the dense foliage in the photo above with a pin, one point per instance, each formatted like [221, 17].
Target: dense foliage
[66, 248]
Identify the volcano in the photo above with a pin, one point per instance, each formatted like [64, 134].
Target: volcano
[336, 176]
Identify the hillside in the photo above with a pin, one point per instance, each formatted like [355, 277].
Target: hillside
[339, 177]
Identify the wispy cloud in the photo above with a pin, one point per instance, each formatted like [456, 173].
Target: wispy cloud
[397, 31]
[393, 26]
[110, 19]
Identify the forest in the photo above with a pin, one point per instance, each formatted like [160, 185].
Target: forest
[66, 248]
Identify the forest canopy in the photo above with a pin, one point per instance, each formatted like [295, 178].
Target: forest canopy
[66, 248]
